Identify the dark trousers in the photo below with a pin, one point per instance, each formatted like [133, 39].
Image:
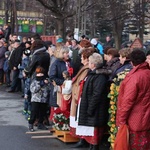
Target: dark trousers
[1, 75]
[7, 75]
[27, 105]
[16, 82]
[37, 110]
[22, 85]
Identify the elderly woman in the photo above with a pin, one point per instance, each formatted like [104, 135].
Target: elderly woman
[76, 92]
[93, 104]
[134, 102]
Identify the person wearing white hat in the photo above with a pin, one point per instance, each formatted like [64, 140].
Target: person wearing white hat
[97, 45]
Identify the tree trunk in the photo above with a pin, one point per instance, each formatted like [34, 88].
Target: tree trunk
[141, 33]
[45, 22]
[117, 32]
[142, 21]
[12, 19]
[15, 17]
[118, 40]
[60, 29]
[6, 11]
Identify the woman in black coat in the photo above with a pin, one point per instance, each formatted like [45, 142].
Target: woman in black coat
[93, 111]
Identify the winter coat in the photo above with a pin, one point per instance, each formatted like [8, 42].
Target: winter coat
[76, 90]
[15, 57]
[76, 61]
[24, 64]
[27, 92]
[109, 44]
[56, 74]
[99, 47]
[2, 56]
[113, 65]
[39, 58]
[126, 65]
[94, 103]
[6, 66]
[39, 90]
[134, 99]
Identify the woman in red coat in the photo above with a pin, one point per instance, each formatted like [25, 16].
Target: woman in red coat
[134, 102]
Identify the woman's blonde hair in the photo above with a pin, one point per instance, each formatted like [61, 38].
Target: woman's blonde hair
[96, 59]
[61, 52]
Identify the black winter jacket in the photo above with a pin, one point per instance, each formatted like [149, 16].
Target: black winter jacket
[39, 58]
[94, 102]
[16, 57]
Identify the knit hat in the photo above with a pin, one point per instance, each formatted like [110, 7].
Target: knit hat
[93, 41]
[27, 52]
[59, 40]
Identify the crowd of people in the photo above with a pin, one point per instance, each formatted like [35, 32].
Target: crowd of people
[75, 77]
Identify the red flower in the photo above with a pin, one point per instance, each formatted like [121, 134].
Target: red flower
[55, 120]
[61, 123]
[66, 114]
[57, 111]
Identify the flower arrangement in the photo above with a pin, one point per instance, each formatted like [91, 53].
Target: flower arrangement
[114, 91]
[61, 120]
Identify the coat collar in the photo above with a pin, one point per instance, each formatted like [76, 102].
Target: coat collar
[43, 49]
[140, 66]
[86, 67]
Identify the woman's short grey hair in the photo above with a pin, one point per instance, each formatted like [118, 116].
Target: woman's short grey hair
[96, 59]
[63, 50]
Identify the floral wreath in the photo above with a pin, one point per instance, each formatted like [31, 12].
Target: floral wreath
[113, 95]
[61, 120]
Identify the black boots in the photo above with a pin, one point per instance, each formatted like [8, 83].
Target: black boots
[81, 144]
[42, 127]
[94, 147]
[31, 128]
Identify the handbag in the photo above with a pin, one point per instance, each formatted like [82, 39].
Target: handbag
[122, 139]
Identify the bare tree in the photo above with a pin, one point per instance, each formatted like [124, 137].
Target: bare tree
[139, 15]
[7, 8]
[14, 22]
[113, 14]
[60, 10]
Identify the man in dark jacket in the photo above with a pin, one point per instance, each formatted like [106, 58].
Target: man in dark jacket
[14, 61]
[109, 42]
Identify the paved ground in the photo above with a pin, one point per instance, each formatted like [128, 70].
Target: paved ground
[13, 127]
